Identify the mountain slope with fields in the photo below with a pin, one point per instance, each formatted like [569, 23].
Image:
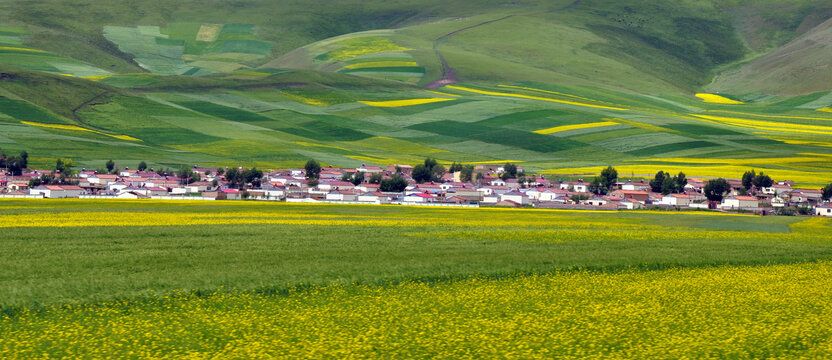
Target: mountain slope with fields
[564, 87]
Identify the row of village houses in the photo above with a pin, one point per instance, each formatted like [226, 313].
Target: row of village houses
[491, 190]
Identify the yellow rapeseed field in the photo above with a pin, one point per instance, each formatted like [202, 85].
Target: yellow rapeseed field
[557, 129]
[77, 128]
[768, 125]
[717, 99]
[495, 93]
[21, 49]
[400, 103]
[375, 64]
[826, 109]
[778, 311]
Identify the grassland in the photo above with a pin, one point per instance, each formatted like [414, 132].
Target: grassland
[148, 279]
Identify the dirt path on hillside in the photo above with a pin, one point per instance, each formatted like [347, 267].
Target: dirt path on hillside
[448, 73]
[86, 103]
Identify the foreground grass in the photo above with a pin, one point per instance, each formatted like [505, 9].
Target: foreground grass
[77, 252]
[778, 311]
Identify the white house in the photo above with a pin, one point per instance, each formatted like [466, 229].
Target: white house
[374, 197]
[823, 210]
[341, 195]
[48, 191]
[596, 201]
[631, 186]
[676, 200]
[515, 196]
[419, 198]
[740, 202]
[579, 186]
[630, 204]
[497, 182]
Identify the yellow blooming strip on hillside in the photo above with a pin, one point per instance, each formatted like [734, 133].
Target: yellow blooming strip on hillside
[440, 93]
[771, 116]
[545, 91]
[375, 64]
[556, 129]
[826, 109]
[802, 177]
[716, 99]
[400, 103]
[96, 77]
[768, 125]
[21, 49]
[494, 93]
[781, 311]
[78, 128]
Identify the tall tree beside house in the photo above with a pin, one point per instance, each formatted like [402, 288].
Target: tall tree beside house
[252, 176]
[234, 177]
[312, 182]
[63, 167]
[681, 180]
[375, 178]
[24, 159]
[597, 186]
[826, 192]
[716, 189]
[357, 178]
[748, 179]
[15, 165]
[187, 176]
[466, 173]
[429, 171]
[142, 166]
[110, 165]
[2, 159]
[346, 177]
[394, 184]
[658, 180]
[668, 185]
[609, 176]
[313, 169]
[509, 171]
[762, 181]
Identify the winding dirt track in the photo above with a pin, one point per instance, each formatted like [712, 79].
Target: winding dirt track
[448, 73]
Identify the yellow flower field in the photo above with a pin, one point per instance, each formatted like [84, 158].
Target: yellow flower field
[495, 93]
[778, 311]
[21, 49]
[557, 129]
[77, 128]
[826, 109]
[400, 103]
[716, 99]
[768, 125]
[374, 64]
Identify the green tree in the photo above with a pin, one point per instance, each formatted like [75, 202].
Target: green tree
[313, 169]
[234, 177]
[466, 174]
[2, 159]
[185, 175]
[252, 176]
[357, 178]
[313, 182]
[375, 178]
[394, 184]
[64, 167]
[346, 176]
[609, 176]
[762, 181]
[656, 183]
[437, 172]
[716, 189]
[110, 165]
[827, 192]
[509, 171]
[142, 166]
[421, 173]
[748, 178]
[681, 180]
[455, 168]
[15, 166]
[598, 186]
[668, 185]
[24, 159]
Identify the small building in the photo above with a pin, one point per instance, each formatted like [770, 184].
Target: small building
[676, 200]
[341, 195]
[740, 202]
[229, 194]
[823, 210]
[516, 197]
[419, 198]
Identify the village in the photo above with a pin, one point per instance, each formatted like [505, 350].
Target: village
[427, 185]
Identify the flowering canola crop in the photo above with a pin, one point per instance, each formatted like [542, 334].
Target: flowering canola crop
[717, 99]
[556, 129]
[400, 103]
[779, 311]
[495, 93]
[77, 128]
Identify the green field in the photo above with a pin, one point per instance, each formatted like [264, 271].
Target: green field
[174, 279]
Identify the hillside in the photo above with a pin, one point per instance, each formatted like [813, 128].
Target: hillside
[563, 87]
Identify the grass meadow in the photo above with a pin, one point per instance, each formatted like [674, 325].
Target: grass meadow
[149, 279]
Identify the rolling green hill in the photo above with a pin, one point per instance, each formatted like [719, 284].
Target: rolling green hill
[562, 86]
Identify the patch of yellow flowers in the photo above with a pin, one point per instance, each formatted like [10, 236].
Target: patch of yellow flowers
[779, 311]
